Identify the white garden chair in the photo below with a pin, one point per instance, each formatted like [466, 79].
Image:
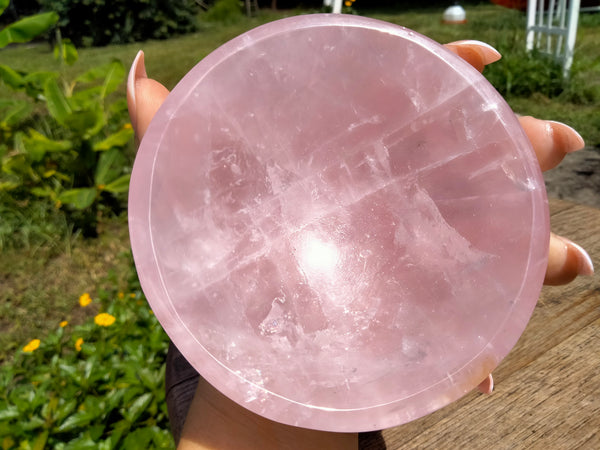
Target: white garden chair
[552, 28]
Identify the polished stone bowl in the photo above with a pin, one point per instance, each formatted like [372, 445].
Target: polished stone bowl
[339, 223]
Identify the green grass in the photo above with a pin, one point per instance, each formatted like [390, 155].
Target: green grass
[41, 283]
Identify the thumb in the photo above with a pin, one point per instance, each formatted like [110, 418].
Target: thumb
[144, 96]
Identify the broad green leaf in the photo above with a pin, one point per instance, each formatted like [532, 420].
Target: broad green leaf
[66, 52]
[42, 192]
[150, 378]
[95, 432]
[83, 98]
[135, 410]
[33, 423]
[49, 408]
[112, 74]
[118, 186]
[40, 441]
[80, 198]
[110, 166]
[6, 185]
[94, 74]
[57, 103]
[118, 106]
[114, 77]
[162, 438]
[89, 367]
[20, 166]
[78, 420]
[87, 123]
[11, 77]
[83, 442]
[14, 111]
[138, 439]
[119, 428]
[11, 412]
[118, 139]
[35, 81]
[65, 409]
[26, 29]
[38, 79]
[3, 5]
[37, 145]
[113, 398]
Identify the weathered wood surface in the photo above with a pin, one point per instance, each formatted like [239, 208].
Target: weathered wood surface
[547, 391]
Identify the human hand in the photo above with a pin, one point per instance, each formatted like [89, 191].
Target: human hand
[551, 142]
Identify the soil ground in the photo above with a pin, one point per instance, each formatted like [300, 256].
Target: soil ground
[576, 178]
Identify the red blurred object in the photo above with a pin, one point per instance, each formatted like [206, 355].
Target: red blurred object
[521, 5]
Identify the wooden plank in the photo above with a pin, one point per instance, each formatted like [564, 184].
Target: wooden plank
[565, 318]
[557, 206]
[553, 403]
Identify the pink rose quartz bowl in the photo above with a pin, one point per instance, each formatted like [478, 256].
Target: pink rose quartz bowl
[340, 224]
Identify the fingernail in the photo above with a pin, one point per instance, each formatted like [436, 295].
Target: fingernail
[585, 266]
[487, 385]
[489, 53]
[569, 139]
[137, 71]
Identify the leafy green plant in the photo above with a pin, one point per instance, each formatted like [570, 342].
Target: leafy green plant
[98, 385]
[225, 12]
[522, 74]
[72, 150]
[13, 111]
[103, 22]
[27, 28]
[31, 224]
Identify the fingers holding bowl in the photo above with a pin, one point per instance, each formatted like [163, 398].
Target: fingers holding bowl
[551, 141]
[566, 260]
[477, 53]
[144, 96]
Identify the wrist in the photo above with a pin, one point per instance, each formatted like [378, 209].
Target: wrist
[216, 422]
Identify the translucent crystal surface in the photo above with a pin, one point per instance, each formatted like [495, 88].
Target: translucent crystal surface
[340, 223]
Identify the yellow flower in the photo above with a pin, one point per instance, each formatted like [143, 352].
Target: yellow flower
[78, 344]
[127, 126]
[132, 295]
[33, 345]
[348, 3]
[63, 324]
[101, 187]
[121, 295]
[85, 299]
[104, 320]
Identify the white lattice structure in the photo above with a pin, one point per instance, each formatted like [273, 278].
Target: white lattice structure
[336, 5]
[552, 28]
